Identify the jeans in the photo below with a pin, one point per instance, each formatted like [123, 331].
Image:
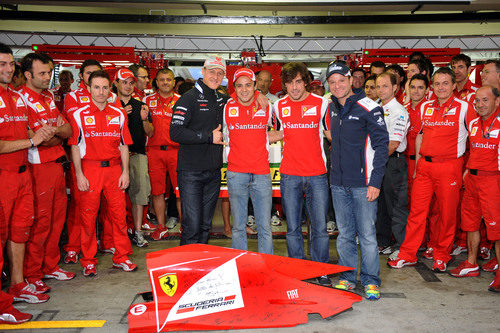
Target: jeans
[240, 186]
[315, 189]
[199, 191]
[356, 217]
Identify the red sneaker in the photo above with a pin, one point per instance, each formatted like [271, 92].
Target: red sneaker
[465, 269]
[38, 286]
[495, 285]
[400, 263]
[428, 254]
[89, 270]
[160, 233]
[71, 257]
[127, 266]
[439, 266]
[491, 266]
[22, 292]
[13, 316]
[60, 274]
[148, 226]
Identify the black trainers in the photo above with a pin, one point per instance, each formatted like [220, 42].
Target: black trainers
[324, 280]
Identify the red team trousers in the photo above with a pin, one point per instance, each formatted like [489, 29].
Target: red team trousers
[42, 249]
[444, 179]
[103, 180]
[16, 214]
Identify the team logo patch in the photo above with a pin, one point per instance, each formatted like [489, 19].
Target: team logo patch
[259, 113]
[153, 103]
[286, 111]
[451, 112]
[19, 102]
[113, 120]
[84, 99]
[89, 120]
[474, 131]
[380, 121]
[168, 283]
[39, 106]
[52, 104]
[233, 111]
[138, 310]
[429, 111]
[308, 111]
[494, 134]
[2, 103]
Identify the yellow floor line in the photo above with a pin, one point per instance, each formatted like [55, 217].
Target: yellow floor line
[55, 324]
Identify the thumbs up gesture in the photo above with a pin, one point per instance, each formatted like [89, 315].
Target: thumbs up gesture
[217, 136]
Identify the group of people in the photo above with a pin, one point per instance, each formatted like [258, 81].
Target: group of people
[395, 164]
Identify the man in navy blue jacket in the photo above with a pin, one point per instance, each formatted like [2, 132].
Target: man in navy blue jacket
[359, 153]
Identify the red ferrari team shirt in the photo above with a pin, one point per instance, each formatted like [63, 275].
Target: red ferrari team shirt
[484, 140]
[468, 88]
[444, 128]
[81, 97]
[302, 124]
[248, 146]
[161, 114]
[415, 126]
[59, 96]
[13, 126]
[42, 108]
[99, 134]
[138, 94]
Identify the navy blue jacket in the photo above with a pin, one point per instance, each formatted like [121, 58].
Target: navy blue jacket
[360, 142]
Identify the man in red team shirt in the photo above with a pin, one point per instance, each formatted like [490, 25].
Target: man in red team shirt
[49, 185]
[73, 101]
[301, 117]
[248, 172]
[482, 182]
[161, 150]
[98, 145]
[65, 81]
[439, 149]
[461, 65]
[16, 197]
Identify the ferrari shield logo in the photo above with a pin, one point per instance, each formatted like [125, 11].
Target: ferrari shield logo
[168, 283]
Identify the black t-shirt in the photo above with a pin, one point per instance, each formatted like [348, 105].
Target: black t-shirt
[135, 127]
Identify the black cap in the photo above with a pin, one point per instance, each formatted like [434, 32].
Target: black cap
[338, 67]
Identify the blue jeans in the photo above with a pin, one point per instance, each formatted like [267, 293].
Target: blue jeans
[240, 186]
[315, 189]
[199, 191]
[356, 216]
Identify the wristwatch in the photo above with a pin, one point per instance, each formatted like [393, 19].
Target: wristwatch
[32, 143]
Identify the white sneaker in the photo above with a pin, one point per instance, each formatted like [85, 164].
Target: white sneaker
[251, 221]
[172, 222]
[139, 240]
[111, 250]
[457, 250]
[394, 255]
[330, 226]
[275, 221]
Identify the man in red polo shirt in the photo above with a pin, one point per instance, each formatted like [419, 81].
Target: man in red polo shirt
[248, 161]
[482, 182]
[98, 146]
[16, 197]
[142, 77]
[439, 149]
[461, 65]
[161, 150]
[73, 101]
[49, 185]
[65, 81]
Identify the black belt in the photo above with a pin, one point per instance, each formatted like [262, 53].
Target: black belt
[396, 154]
[21, 169]
[163, 147]
[413, 157]
[477, 172]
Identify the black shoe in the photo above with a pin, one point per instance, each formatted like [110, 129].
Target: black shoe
[151, 217]
[324, 280]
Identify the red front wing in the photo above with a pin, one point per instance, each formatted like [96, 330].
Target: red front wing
[204, 287]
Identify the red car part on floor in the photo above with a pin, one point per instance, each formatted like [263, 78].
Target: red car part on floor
[204, 287]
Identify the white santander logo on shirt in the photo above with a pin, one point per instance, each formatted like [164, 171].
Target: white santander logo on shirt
[233, 111]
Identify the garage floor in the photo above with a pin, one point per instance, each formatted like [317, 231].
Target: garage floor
[413, 299]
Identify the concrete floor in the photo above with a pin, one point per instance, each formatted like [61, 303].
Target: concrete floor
[410, 302]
